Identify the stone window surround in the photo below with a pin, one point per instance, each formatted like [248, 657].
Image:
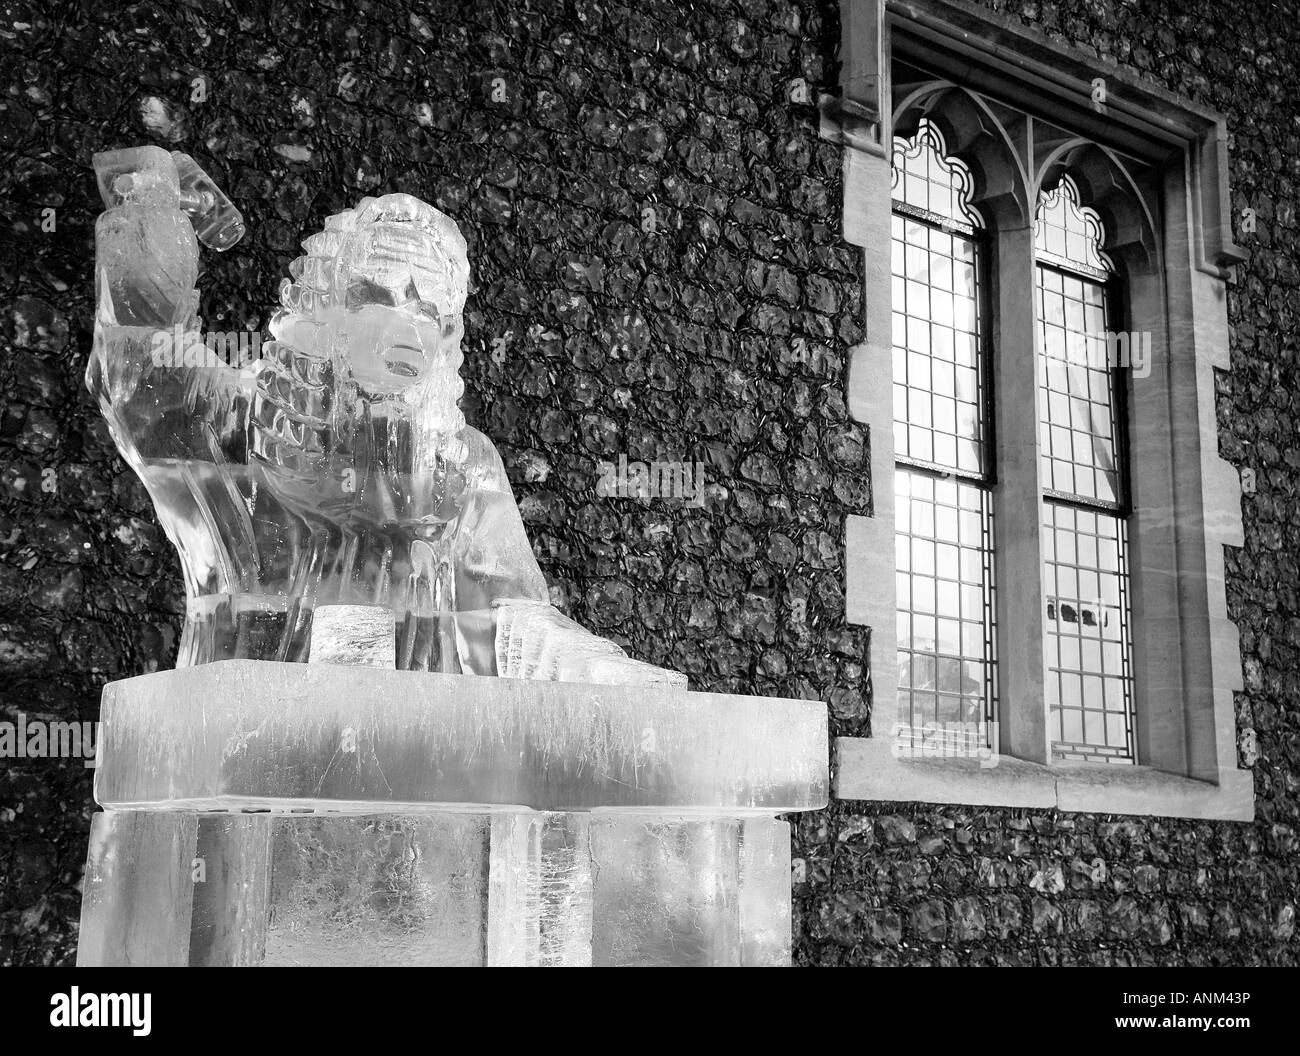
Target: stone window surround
[1186, 499]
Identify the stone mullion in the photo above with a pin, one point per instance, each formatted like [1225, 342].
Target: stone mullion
[1017, 501]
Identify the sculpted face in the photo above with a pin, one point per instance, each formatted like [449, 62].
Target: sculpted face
[368, 334]
[378, 296]
[388, 349]
[387, 282]
[395, 294]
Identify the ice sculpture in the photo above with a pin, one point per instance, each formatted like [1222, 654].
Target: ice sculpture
[326, 778]
[336, 467]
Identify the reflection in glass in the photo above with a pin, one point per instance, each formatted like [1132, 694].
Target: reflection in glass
[945, 596]
[944, 558]
[1087, 640]
[1078, 431]
[937, 347]
[1089, 679]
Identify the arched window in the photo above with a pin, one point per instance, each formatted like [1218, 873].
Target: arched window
[1087, 636]
[946, 471]
[1053, 599]
[943, 513]
[926, 179]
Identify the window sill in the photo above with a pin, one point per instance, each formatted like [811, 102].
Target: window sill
[866, 769]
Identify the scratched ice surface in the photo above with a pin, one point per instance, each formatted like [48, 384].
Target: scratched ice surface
[429, 819]
[342, 737]
[331, 464]
[513, 888]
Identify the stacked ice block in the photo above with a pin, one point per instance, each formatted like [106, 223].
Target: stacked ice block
[267, 813]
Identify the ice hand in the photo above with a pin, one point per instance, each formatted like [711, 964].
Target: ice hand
[151, 178]
[535, 640]
[146, 257]
[139, 176]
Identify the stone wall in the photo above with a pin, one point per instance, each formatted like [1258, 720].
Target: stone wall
[658, 273]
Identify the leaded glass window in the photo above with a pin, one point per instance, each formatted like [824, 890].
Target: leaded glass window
[943, 473]
[945, 466]
[1089, 681]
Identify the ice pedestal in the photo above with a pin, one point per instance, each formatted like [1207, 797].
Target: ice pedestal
[264, 813]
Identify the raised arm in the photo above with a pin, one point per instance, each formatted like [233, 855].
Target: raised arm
[165, 393]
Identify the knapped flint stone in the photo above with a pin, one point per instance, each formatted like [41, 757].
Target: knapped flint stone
[929, 922]
[72, 81]
[1046, 917]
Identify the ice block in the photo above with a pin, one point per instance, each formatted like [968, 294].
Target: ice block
[247, 734]
[298, 814]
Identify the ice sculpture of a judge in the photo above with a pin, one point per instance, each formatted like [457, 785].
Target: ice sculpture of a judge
[337, 468]
[285, 796]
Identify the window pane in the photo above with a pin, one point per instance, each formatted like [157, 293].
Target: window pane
[926, 178]
[1076, 378]
[1069, 231]
[946, 649]
[947, 672]
[938, 394]
[1087, 637]
[938, 332]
